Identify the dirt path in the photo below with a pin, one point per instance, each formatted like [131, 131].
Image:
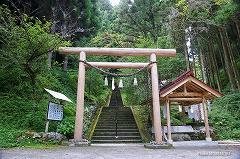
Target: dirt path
[182, 150]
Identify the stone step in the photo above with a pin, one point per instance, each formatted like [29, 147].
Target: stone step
[114, 114]
[119, 133]
[115, 108]
[116, 141]
[119, 119]
[119, 130]
[113, 122]
[119, 127]
[118, 112]
[113, 117]
[118, 124]
[116, 138]
[127, 130]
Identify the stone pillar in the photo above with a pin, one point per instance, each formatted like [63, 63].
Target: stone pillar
[204, 103]
[78, 131]
[156, 102]
[170, 141]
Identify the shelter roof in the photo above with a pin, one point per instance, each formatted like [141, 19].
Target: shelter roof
[187, 90]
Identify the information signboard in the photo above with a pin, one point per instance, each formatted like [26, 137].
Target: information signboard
[55, 111]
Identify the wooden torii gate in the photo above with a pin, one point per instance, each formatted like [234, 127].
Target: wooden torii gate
[152, 53]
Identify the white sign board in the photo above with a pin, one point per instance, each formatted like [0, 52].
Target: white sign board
[55, 111]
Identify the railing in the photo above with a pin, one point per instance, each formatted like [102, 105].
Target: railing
[116, 124]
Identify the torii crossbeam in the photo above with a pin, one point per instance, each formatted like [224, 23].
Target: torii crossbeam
[152, 53]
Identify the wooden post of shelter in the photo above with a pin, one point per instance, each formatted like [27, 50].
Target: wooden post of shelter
[205, 110]
[170, 141]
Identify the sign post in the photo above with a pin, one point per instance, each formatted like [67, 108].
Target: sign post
[55, 111]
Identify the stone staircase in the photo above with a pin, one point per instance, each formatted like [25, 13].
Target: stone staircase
[116, 125]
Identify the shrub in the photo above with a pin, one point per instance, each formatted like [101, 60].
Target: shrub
[67, 127]
[9, 135]
[225, 116]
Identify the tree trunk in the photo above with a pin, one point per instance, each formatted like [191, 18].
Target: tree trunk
[194, 64]
[65, 63]
[53, 30]
[64, 35]
[237, 24]
[221, 53]
[210, 67]
[214, 66]
[227, 60]
[50, 60]
[206, 68]
[202, 65]
[232, 60]
[186, 56]
[238, 28]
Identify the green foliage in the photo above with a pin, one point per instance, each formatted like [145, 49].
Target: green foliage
[182, 7]
[226, 11]
[170, 68]
[106, 39]
[225, 116]
[22, 113]
[106, 15]
[142, 18]
[67, 127]
[95, 90]
[9, 135]
[26, 42]
[141, 115]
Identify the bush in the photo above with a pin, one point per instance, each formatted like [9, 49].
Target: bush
[9, 135]
[67, 127]
[225, 116]
[22, 112]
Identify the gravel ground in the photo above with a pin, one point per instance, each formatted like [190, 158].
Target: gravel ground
[181, 150]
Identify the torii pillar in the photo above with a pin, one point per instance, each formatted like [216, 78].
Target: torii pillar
[78, 131]
[156, 102]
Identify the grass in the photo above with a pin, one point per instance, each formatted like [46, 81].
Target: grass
[14, 137]
[35, 144]
[9, 135]
[141, 117]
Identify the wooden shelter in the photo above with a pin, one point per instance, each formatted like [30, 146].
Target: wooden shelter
[186, 90]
